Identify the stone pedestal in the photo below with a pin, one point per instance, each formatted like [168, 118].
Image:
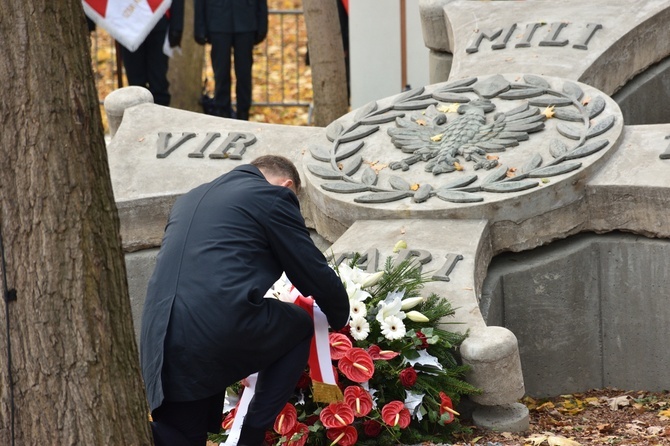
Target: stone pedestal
[493, 355]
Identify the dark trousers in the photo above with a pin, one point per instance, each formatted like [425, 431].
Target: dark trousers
[187, 423]
[148, 65]
[241, 47]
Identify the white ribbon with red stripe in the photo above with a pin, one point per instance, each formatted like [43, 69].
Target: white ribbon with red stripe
[127, 21]
[320, 362]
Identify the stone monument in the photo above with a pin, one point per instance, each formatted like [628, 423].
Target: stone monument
[506, 153]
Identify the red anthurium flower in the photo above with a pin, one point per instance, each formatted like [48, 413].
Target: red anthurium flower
[359, 400]
[286, 420]
[446, 406]
[395, 414]
[339, 345]
[357, 365]
[298, 435]
[337, 415]
[342, 436]
[376, 353]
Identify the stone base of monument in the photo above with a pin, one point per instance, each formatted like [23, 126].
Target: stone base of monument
[504, 418]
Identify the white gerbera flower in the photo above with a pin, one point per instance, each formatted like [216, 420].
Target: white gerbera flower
[360, 328]
[393, 328]
[357, 309]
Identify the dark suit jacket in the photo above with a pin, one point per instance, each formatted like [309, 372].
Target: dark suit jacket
[230, 16]
[205, 323]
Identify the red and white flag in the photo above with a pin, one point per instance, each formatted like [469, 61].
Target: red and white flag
[127, 21]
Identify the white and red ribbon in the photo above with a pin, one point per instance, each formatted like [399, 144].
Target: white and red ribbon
[320, 365]
[127, 21]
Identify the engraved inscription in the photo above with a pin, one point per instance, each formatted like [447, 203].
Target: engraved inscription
[368, 261]
[233, 145]
[558, 34]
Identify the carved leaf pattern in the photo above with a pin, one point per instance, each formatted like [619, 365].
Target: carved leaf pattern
[324, 172]
[398, 183]
[587, 149]
[334, 130]
[382, 197]
[558, 169]
[369, 176]
[557, 148]
[532, 164]
[573, 90]
[365, 110]
[351, 166]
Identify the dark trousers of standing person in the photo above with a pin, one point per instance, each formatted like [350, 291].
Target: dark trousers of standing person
[187, 423]
[148, 65]
[241, 47]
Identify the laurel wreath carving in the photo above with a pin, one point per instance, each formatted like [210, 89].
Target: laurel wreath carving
[341, 162]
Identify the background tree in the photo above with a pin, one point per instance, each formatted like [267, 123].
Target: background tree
[185, 69]
[74, 377]
[326, 54]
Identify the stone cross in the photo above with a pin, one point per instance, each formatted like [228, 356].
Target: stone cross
[519, 142]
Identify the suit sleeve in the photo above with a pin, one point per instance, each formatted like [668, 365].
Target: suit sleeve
[304, 264]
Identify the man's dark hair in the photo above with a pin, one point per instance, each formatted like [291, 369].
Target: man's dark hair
[278, 165]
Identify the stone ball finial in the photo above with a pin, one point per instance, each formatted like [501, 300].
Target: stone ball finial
[119, 100]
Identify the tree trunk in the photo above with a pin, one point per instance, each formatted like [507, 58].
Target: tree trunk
[74, 378]
[185, 72]
[326, 55]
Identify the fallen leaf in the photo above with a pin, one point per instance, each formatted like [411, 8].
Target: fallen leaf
[549, 112]
[458, 166]
[561, 441]
[401, 244]
[492, 157]
[618, 401]
[586, 100]
[421, 121]
[451, 108]
[664, 414]
[414, 186]
[436, 138]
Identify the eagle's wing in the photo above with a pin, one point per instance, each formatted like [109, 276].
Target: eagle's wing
[508, 128]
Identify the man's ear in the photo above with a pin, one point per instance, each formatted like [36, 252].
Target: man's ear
[289, 183]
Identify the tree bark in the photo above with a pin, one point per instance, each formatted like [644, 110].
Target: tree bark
[326, 55]
[185, 69]
[74, 377]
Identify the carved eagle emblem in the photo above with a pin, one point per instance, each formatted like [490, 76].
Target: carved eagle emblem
[470, 136]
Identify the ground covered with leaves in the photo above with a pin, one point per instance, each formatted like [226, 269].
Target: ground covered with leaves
[597, 417]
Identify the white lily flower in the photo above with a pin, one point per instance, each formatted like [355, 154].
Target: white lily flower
[372, 279]
[357, 309]
[356, 294]
[393, 328]
[411, 302]
[360, 328]
[390, 308]
[417, 317]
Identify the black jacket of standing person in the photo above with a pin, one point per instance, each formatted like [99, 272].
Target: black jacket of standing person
[147, 66]
[206, 324]
[231, 26]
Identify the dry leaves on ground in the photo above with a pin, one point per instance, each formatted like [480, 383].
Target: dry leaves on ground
[596, 417]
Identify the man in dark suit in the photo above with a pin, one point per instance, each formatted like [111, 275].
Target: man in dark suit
[231, 26]
[206, 324]
[147, 66]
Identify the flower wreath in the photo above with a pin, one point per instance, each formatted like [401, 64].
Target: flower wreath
[394, 365]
